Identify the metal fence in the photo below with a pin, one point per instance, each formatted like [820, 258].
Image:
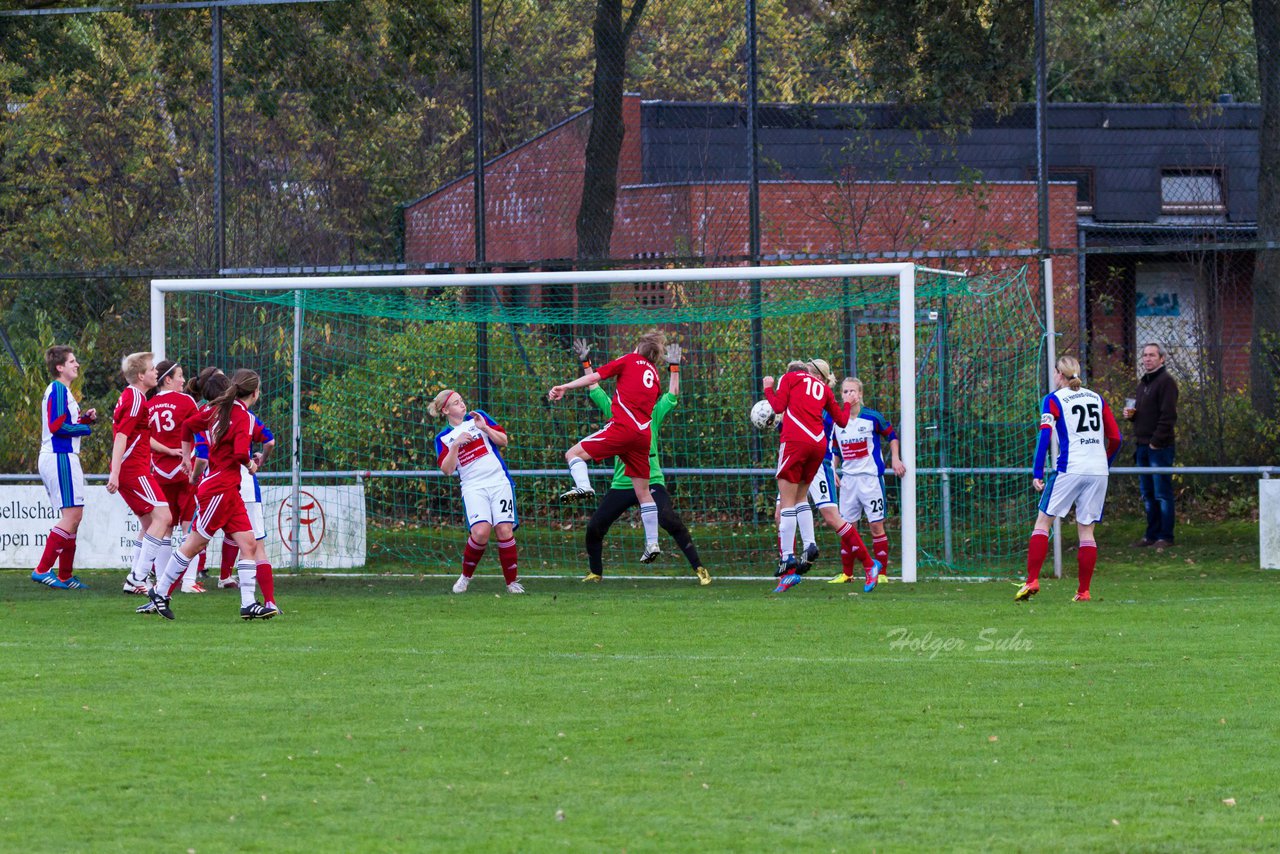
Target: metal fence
[211, 138]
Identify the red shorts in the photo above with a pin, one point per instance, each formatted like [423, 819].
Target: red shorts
[629, 445]
[142, 492]
[181, 496]
[798, 462]
[220, 511]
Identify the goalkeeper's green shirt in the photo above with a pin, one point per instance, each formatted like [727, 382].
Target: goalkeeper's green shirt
[665, 404]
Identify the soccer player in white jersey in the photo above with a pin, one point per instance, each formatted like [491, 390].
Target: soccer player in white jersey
[1088, 439]
[860, 445]
[63, 425]
[469, 447]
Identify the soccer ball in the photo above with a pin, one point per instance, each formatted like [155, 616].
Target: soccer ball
[762, 415]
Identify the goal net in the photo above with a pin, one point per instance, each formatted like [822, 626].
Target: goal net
[349, 364]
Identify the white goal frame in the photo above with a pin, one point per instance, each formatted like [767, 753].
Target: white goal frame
[904, 272]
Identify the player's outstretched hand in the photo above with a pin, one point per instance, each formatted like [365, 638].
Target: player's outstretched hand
[556, 393]
[89, 416]
[673, 354]
[768, 383]
[581, 349]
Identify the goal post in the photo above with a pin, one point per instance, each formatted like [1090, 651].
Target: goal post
[307, 321]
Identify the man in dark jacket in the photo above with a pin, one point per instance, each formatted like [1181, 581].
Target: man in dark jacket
[1154, 412]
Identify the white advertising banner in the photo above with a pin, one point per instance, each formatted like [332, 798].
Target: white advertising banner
[331, 523]
[331, 526]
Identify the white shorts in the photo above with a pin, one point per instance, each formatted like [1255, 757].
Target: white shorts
[822, 489]
[254, 511]
[494, 503]
[63, 479]
[861, 493]
[1088, 492]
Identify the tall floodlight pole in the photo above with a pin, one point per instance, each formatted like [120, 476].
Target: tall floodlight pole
[753, 214]
[1046, 261]
[219, 182]
[477, 139]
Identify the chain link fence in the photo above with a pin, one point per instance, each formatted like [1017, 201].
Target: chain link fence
[146, 140]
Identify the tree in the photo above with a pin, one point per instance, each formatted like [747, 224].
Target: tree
[604, 141]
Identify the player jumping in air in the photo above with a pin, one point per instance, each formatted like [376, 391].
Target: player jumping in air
[860, 444]
[63, 425]
[131, 476]
[619, 497]
[628, 433]
[801, 396]
[469, 447]
[1088, 439]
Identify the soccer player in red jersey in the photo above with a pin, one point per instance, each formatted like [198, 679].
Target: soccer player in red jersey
[63, 426]
[229, 426]
[131, 477]
[167, 409]
[800, 398]
[628, 433]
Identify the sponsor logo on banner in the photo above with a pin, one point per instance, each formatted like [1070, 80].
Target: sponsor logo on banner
[310, 522]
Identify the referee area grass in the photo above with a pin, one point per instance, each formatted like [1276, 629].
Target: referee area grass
[385, 714]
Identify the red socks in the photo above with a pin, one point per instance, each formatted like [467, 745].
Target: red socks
[507, 557]
[52, 548]
[230, 553]
[471, 555]
[850, 546]
[1086, 559]
[1037, 548]
[266, 583]
[67, 558]
[880, 549]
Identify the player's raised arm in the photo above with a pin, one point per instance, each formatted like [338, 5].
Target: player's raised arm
[778, 395]
[674, 355]
[558, 391]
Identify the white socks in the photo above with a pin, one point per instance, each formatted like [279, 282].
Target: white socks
[578, 470]
[247, 574]
[787, 532]
[804, 522]
[649, 518]
[166, 579]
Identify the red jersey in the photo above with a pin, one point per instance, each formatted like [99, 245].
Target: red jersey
[636, 392]
[229, 453]
[165, 414]
[130, 419]
[802, 399]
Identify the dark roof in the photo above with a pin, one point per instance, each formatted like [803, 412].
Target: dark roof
[1119, 150]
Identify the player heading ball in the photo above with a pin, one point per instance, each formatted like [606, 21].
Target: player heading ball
[628, 433]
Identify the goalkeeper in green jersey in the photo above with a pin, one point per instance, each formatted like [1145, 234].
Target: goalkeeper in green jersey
[620, 495]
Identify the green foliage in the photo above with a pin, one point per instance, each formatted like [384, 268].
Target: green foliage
[1150, 51]
[21, 392]
[952, 55]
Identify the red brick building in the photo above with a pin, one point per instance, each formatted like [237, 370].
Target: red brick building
[1121, 175]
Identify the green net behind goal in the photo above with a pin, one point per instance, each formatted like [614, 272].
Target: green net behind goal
[373, 499]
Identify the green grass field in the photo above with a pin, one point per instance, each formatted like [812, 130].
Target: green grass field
[384, 714]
